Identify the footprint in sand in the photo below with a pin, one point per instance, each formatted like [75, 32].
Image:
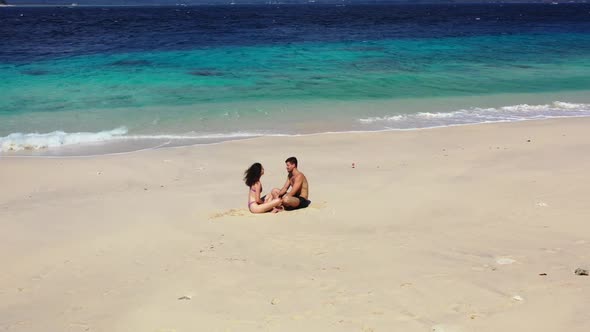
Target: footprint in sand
[405, 316]
[244, 212]
[314, 206]
[230, 213]
[445, 328]
[80, 326]
[552, 250]
[505, 260]
[318, 205]
[517, 298]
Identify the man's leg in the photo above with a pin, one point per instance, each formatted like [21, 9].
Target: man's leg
[290, 202]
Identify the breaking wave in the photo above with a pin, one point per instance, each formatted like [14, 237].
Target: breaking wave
[37, 141]
[481, 115]
[41, 141]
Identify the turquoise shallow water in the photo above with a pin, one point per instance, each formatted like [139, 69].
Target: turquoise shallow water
[205, 94]
[354, 70]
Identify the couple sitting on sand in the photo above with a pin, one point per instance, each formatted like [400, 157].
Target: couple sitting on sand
[278, 199]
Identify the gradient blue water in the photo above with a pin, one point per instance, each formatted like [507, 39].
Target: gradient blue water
[206, 71]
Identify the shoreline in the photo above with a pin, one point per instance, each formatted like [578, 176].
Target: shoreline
[148, 127]
[45, 153]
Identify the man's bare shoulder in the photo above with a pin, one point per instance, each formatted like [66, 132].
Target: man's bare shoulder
[298, 176]
[302, 176]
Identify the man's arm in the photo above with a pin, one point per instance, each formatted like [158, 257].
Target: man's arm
[285, 188]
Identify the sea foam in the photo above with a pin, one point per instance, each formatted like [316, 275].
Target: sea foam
[481, 115]
[36, 141]
[56, 139]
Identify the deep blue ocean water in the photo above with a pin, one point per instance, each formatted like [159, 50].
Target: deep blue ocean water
[73, 76]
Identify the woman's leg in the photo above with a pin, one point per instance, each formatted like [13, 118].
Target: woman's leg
[265, 207]
[268, 198]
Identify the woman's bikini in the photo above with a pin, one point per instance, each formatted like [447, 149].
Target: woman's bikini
[254, 201]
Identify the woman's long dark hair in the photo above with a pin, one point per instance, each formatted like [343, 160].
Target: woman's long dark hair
[253, 174]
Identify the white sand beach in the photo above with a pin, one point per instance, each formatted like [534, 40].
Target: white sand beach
[471, 228]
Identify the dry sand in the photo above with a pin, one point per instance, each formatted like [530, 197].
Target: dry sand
[445, 229]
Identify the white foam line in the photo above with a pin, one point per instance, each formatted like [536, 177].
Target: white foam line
[476, 114]
[34, 141]
[289, 135]
[521, 112]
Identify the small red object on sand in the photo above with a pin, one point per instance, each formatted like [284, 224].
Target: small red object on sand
[353, 165]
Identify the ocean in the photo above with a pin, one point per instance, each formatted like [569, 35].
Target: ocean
[94, 80]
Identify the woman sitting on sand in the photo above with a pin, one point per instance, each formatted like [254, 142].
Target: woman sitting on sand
[258, 204]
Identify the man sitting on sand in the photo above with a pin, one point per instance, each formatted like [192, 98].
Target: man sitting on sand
[297, 197]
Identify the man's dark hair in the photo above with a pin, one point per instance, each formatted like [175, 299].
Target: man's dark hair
[292, 160]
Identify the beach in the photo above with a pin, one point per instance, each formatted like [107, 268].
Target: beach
[465, 228]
